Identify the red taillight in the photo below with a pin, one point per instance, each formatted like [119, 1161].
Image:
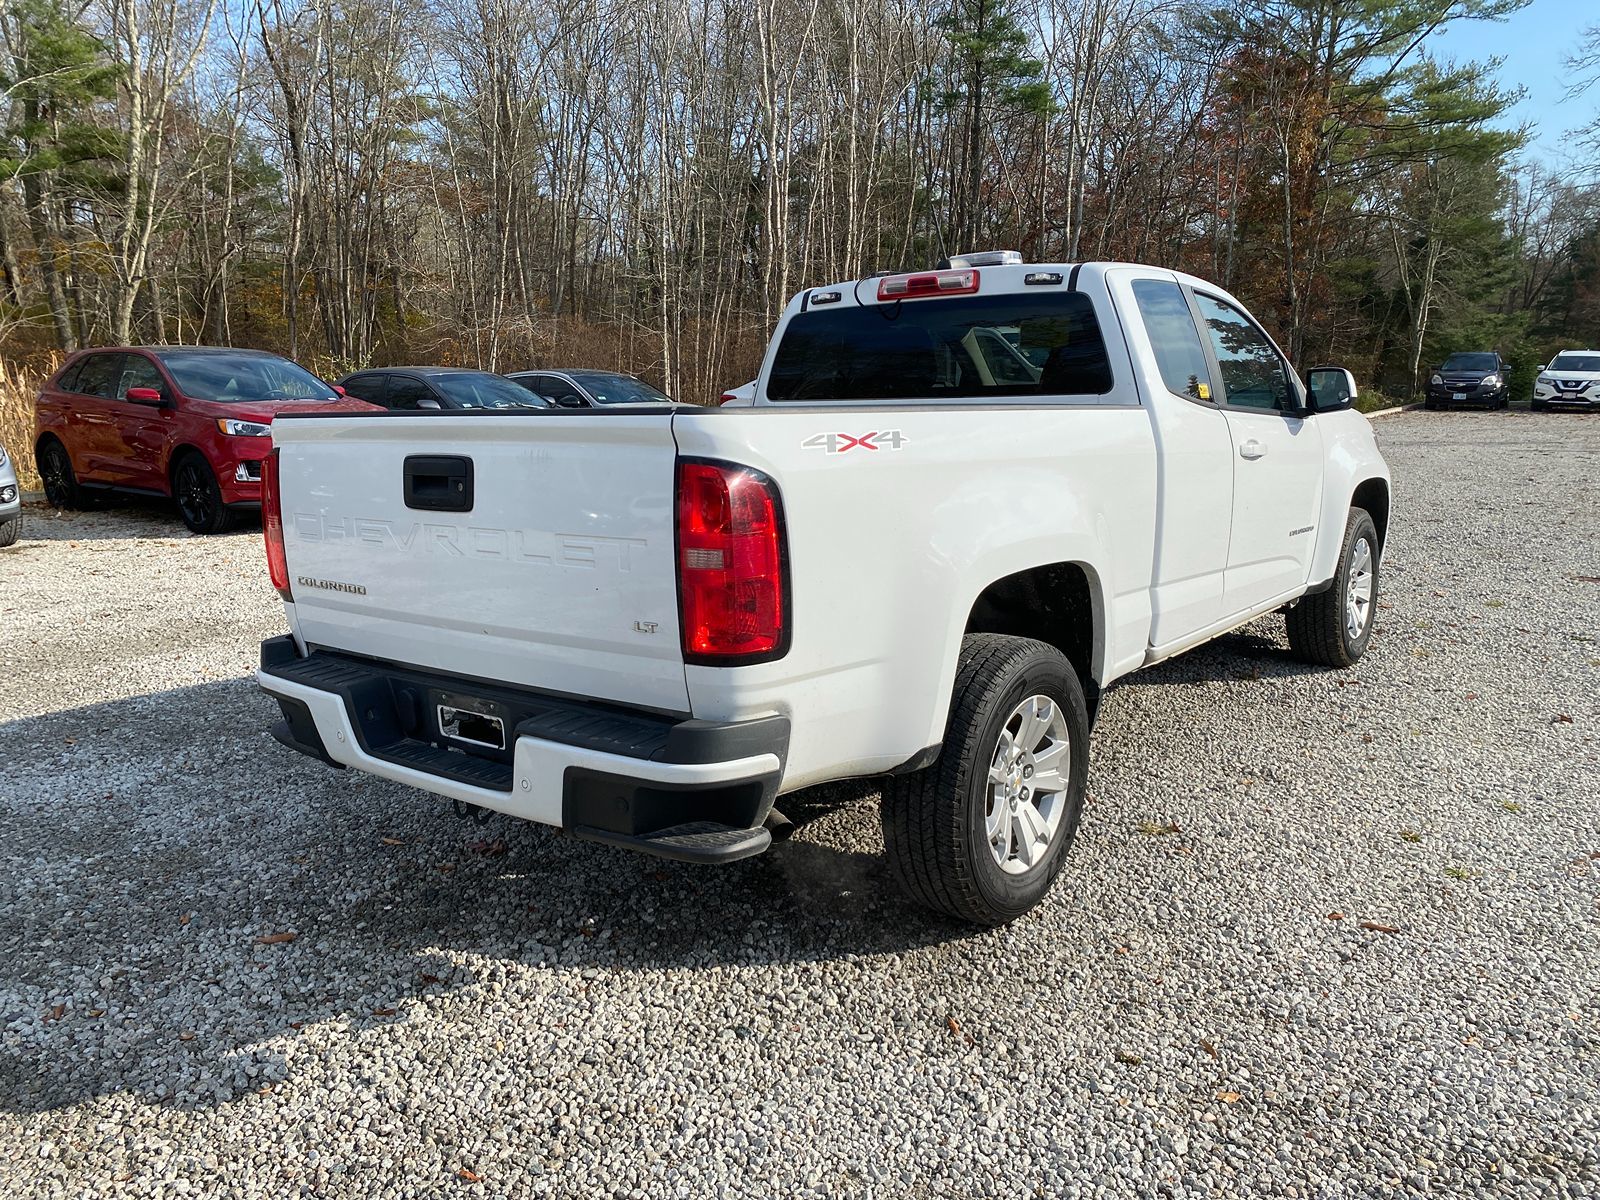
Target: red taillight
[272, 526]
[730, 564]
[928, 283]
[726, 396]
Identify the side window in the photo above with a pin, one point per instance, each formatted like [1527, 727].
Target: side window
[68, 382]
[99, 376]
[139, 372]
[408, 393]
[559, 391]
[1252, 373]
[366, 387]
[1180, 357]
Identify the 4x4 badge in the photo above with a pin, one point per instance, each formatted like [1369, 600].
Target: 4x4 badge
[839, 443]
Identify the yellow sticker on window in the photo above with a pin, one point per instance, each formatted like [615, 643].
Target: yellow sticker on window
[1204, 390]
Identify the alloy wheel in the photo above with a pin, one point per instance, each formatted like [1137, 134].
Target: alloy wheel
[1028, 780]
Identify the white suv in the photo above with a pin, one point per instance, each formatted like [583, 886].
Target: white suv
[1570, 380]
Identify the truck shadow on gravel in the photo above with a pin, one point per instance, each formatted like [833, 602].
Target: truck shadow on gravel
[153, 875]
[182, 917]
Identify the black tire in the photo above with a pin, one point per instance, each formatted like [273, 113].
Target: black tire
[935, 821]
[1538, 405]
[61, 488]
[10, 531]
[199, 499]
[1430, 405]
[1319, 626]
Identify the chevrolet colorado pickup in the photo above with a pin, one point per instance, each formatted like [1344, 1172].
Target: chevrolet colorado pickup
[962, 503]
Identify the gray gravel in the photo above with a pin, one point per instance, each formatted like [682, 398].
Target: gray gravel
[1209, 1004]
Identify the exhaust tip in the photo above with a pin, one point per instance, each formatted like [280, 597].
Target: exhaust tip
[779, 826]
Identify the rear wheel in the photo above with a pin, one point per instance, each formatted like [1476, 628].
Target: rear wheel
[1332, 628]
[10, 531]
[199, 500]
[61, 488]
[982, 834]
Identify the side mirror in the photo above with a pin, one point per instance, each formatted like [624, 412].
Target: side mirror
[339, 391]
[1330, 389]
[570, 400]
[1540, 368]
[429, 402]
[143, 395]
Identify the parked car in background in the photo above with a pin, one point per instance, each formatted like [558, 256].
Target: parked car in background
[452, 389]
[10, 501]
[1475, 377]
[740, 397]
[589, 389]
[1569, 380]
[189, 422]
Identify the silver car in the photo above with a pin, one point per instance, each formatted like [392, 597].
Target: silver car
[10, 500]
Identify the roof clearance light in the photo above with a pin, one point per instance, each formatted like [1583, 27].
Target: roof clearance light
[928, 283]
[985, 258]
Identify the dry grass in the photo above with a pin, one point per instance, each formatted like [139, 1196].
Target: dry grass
[18, 386]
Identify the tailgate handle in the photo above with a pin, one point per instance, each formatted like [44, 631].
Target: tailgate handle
[439, 482]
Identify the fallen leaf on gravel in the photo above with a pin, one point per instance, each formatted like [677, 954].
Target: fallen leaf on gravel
[488, 848]
[297, 1024]
[70, 741]
[185, 919]
[1151, 829]
[431, 979]
[186, 1036]
[953, 1025]
[97, 1012]
[383, 1012]
[389, 841]
[56, 1013]
[1349, 683]
[446, 868]
[1336, 916]
[1228, 1097]
[1208, 1047]
[1375, 927]
[1561, 719]
[1472, 695]
[1410, 835]
[469, 1176]
[1587, 578]
[1129, 1058]
[276, 939]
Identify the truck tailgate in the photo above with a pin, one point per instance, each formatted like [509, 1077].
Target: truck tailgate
[532, 549]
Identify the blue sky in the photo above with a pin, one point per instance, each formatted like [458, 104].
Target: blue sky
[1534, 44]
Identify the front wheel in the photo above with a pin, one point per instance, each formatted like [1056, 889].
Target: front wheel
[1333, 627]
[10, 531]
[194, 487]
[982, 834]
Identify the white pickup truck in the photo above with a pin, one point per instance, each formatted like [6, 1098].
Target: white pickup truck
[962, 502]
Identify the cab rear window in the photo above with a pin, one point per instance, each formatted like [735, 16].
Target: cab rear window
[957, 347]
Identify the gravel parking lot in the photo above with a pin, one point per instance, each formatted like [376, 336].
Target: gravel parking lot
[1323, 934]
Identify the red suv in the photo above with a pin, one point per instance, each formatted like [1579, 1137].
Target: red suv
[190, 422]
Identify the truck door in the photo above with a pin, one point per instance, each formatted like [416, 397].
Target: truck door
[1194, 497]
[1277, 460]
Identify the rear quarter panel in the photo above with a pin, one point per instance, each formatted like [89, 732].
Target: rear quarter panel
[889, 548]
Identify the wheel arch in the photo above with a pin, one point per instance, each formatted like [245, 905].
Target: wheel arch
[1059, 603]
[1373, 495]
[177, 454]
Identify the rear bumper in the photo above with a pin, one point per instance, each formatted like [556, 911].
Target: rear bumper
[677, 788]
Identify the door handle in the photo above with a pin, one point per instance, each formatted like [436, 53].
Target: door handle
[1252, 448]
[440, 483]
